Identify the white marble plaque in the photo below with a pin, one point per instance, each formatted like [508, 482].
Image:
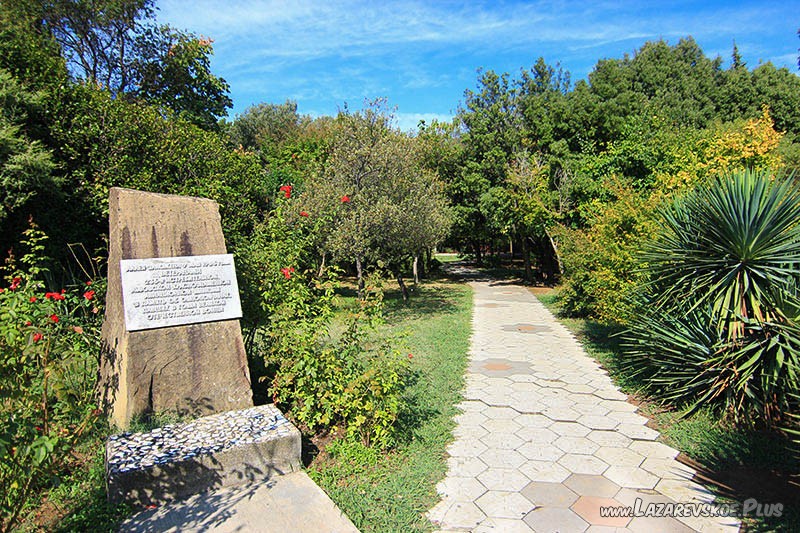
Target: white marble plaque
[172, 291]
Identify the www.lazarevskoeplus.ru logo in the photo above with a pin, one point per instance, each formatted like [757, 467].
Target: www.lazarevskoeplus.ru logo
[749, 507]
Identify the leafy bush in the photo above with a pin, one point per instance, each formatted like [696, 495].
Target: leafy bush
[326, 373]
[48, 349]
[719, 324]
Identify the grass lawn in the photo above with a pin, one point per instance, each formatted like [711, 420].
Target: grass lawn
[391, 491]
[737, 463]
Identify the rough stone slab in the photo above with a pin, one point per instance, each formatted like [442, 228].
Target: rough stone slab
[180, 460]
[193, 370]
[290, 503]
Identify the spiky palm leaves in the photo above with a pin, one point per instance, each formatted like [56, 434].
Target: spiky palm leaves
[719, 325]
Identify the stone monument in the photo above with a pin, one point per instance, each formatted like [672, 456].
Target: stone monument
[171, 335]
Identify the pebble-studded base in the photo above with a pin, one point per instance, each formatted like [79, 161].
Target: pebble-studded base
[204, 436]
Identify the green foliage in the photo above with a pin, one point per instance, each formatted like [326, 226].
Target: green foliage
[176, 74]
[720, 322]
[385, 207]
[326, 377]
[109, 142]
[390, 490]
[25, 166]
[48, 342]
[27, 50]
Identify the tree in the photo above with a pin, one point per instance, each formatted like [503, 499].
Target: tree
[98, 38]
[27, 50]
[383, 207]
[173, 71]
[115, 45]
[26, 167]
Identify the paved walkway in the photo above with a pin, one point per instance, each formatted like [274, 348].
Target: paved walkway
[545, 439]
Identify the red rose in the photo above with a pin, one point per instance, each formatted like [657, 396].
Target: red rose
[345, 199]
[27, 322]
[287, 272]
[88, 283]
[286, 190]
[410, 356]
[33, 299]
[37, 337]
[303, 214]
[88, 295]
[54, 318]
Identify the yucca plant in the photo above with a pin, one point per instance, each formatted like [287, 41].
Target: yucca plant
[720, 322]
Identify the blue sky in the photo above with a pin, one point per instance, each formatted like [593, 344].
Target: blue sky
[422, 55]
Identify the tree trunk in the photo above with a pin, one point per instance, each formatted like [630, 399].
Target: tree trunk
[555, 252]
[416, 270]
[360, 272]
[476, 245]
[527, 275]
[322, 266]
[428, 262]
[402, 284]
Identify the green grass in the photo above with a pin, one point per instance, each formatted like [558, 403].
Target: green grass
[448, 257]
[728, 452]
[77, 503]
[391, 491]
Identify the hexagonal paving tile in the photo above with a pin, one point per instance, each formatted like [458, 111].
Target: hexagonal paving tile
[619, 405]
[682, 490]
[611, 394]
[609, 438]
[588, 508]
[501, 426]
[465, 466]
[561, 414]
[473, 432]
[546, 494]
[465, 515]
[592, 485]
[590, 408]
[626, 417]
[580, 388]
[619, 456]
[504, 504]
[544, 471]
[502, 441]
[583, 464]
[466, 448]
[462, 489]
[502, 458]
[569, 429]
[536, 435]
[533, 421]
[470, 419]
[503, 479]
[668, 468]
[631, 477]
[555, 519]
[580, 445]
[471, 406]
[654, 449]
[500, 413]
[637, 432]
[598, 422]
[506, 525]
[540, 452]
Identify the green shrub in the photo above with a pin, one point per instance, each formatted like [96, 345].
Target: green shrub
[328, 374]
[719, 323]
[48, 365]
